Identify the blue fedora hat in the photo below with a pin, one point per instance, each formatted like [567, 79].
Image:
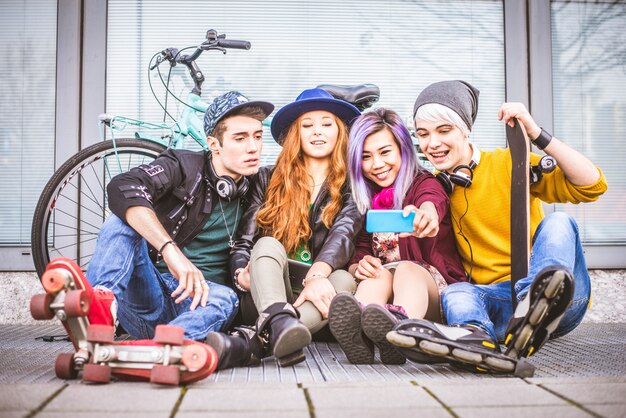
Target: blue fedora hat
[308, 100]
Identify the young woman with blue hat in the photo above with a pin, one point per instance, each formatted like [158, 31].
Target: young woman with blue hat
[300, 209]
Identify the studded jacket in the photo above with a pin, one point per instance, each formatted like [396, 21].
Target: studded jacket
[177, 186]
[334, 246]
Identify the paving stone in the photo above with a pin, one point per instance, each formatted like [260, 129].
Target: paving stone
[238, 399]
[14, 414]
[577, 380]
[244, 414]
[609, 411]
[476, 394]
[25, 397]
[365, 397]
[522, 412]
[115, 397]
[102, 414]
[593, 393]
[382, 412]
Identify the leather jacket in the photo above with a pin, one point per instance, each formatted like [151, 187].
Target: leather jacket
[177, 185]
[334, 247]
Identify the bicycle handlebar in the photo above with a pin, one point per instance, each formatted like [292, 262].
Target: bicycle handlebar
[232, 43]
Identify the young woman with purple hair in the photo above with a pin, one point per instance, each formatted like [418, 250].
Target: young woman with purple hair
[399, 275]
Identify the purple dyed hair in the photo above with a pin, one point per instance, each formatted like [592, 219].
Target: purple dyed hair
[365, 125]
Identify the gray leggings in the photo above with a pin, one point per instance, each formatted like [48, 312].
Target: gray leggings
[269, 282]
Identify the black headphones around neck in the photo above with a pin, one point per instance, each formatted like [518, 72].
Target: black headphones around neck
[225, 186]
[462, 175]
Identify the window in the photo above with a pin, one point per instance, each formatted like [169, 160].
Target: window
[589, 89]
[27, 112]
[398, 45]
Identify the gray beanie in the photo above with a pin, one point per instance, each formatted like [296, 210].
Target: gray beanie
[458, 95]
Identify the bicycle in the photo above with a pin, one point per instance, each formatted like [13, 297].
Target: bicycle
[73, 204]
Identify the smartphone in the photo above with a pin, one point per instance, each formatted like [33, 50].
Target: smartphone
[388, 221]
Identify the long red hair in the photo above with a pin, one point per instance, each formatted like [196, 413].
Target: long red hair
[285, 212]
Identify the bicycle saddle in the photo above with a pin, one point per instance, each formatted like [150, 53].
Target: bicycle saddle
[361, 95]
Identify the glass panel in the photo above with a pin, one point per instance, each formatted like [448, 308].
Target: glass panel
[26, 112]
[589, 83]
[398, 45]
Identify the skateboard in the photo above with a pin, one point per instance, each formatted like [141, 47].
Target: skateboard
[519, 146]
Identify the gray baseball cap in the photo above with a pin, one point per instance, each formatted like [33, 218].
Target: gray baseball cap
[225, 104]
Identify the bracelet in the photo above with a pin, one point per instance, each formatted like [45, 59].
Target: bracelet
[313, 277]
[543, 140]
[236, 281]
[165, 245]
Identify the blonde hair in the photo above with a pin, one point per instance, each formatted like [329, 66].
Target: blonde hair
[285, 212]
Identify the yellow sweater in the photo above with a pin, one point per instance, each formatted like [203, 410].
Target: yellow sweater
[487, 222]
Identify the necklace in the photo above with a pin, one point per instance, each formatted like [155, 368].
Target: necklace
[231, 243]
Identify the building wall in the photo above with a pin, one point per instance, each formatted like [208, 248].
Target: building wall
[565, 60]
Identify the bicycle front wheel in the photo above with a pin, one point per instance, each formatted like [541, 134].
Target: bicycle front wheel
[74, 203]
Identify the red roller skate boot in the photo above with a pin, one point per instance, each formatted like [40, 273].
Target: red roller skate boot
[70, 298]
[168, 359]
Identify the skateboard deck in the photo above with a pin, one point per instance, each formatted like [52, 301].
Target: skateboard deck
[519, 146]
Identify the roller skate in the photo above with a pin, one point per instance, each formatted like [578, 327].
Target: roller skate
[70, 298]
[168, 359]
[88, 317]
[538, 314]
[465, 346]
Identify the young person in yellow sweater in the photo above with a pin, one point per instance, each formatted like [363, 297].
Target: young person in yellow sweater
[553, 298]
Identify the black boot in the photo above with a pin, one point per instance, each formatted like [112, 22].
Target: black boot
[240, 348]
[285, 335]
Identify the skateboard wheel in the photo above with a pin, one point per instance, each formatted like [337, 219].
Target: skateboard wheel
[96, 373]
[103, 334]
[500, 365]
[553, 287]
[40, 307]
[539, 312]
[165, 375]
[54, 280]
[523, 338]
[434, 348]
[467, 356]
[64, 366]
[77, 303]
[400, 340]
[194, 357]
[169, 334]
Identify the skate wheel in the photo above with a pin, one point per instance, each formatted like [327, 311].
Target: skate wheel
[194, 357]
[553, 287]
[467, 356]
[77, 303]
[55, 279]
[96, 373]
[540, 311]
[400, 340]
[434, 348]
[165, 375]
[40, 307]
[169, 334]
[102, 334]
[64, 367]
[500, 365]
[523, 338]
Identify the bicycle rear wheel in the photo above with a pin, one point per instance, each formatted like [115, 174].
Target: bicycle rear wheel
[74, 203]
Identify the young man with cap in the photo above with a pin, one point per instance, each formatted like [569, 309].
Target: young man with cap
[553, 298]
[163, 255]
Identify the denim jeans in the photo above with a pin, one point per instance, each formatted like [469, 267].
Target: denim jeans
[121, 264]
[556, 242]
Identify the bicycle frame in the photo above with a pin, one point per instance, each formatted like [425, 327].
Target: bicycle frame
[189, 124]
